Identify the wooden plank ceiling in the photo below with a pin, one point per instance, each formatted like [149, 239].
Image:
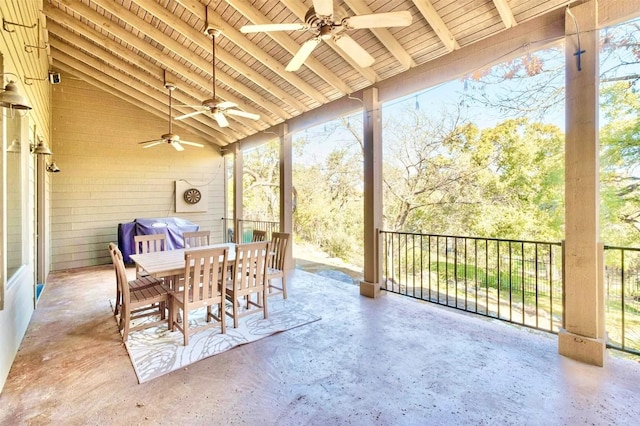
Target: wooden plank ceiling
[127, 47]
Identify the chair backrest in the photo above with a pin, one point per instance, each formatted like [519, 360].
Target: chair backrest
[113, 260]
[150, 243]
[250, 266]
[279, 244]
[258, 235]
[196, 238]
[205, 271]
[121, 273]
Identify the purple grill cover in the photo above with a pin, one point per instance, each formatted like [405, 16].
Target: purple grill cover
[172, 226]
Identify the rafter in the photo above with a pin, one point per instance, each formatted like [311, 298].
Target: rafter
[204, 42]
[153, 52]
[384, 35]
[241, 41]
[292, 47]
[437, 24]
[178, 49]
[59, 18]
[73, 42]
[506, 14]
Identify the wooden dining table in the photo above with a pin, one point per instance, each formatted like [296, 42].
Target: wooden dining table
[170, 263]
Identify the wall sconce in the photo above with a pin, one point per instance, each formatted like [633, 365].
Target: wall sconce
[53, 167]
[10, 98]
[40, 149]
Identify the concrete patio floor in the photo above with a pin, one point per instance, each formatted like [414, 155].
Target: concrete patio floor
[385, 361]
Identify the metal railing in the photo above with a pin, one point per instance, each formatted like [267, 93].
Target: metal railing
[622, 298]
[246, 227]
[514, 281]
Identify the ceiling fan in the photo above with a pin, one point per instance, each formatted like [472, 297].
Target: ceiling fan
[320, 20]
[213, 106]
[170, 138]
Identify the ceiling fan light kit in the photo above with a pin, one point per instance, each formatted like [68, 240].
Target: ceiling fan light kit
[320, 21]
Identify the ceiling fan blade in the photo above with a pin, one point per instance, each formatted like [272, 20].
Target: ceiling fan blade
[239, 113]
[177, 145]
[221, 119]
[323, 7]
[152, 143]
[226, 104]
[302, 54]
[354, 50]
[199, 145]
[246, 29]
[377, 20]
[191, 114]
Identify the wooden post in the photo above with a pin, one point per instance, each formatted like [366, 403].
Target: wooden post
[286, 187]
[372, 134]
[583, 336]
[238, 171]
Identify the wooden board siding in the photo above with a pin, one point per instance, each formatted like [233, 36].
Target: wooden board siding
[107, 178]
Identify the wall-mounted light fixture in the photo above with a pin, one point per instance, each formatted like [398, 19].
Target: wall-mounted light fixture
[10, 98]
[53, 167]
[40, 148]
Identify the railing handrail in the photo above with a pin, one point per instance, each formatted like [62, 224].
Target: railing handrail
[555, 243]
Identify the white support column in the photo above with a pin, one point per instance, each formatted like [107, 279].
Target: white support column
[238, 171]
[583, 337]
[372, 133]
[286, 187]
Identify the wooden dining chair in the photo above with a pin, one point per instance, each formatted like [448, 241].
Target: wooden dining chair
[196, 238]
[248, 279]
[148, 244]
[276, 266]
[140, 298]
[204, 276]
[135, 284]
[258, 235]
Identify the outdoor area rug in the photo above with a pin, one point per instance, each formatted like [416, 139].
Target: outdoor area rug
[156, 351]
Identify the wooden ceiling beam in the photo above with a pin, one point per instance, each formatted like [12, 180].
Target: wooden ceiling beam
[172, 66]
[292, 47]
[437, 24]
[241, 41]
[118, 51]
[141, 45]
[152, 78]
[125, 85]
[178, 49]
[299, 9]
[384, 35]
[506, 14]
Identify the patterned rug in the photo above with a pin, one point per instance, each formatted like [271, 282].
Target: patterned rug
[156, 351]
